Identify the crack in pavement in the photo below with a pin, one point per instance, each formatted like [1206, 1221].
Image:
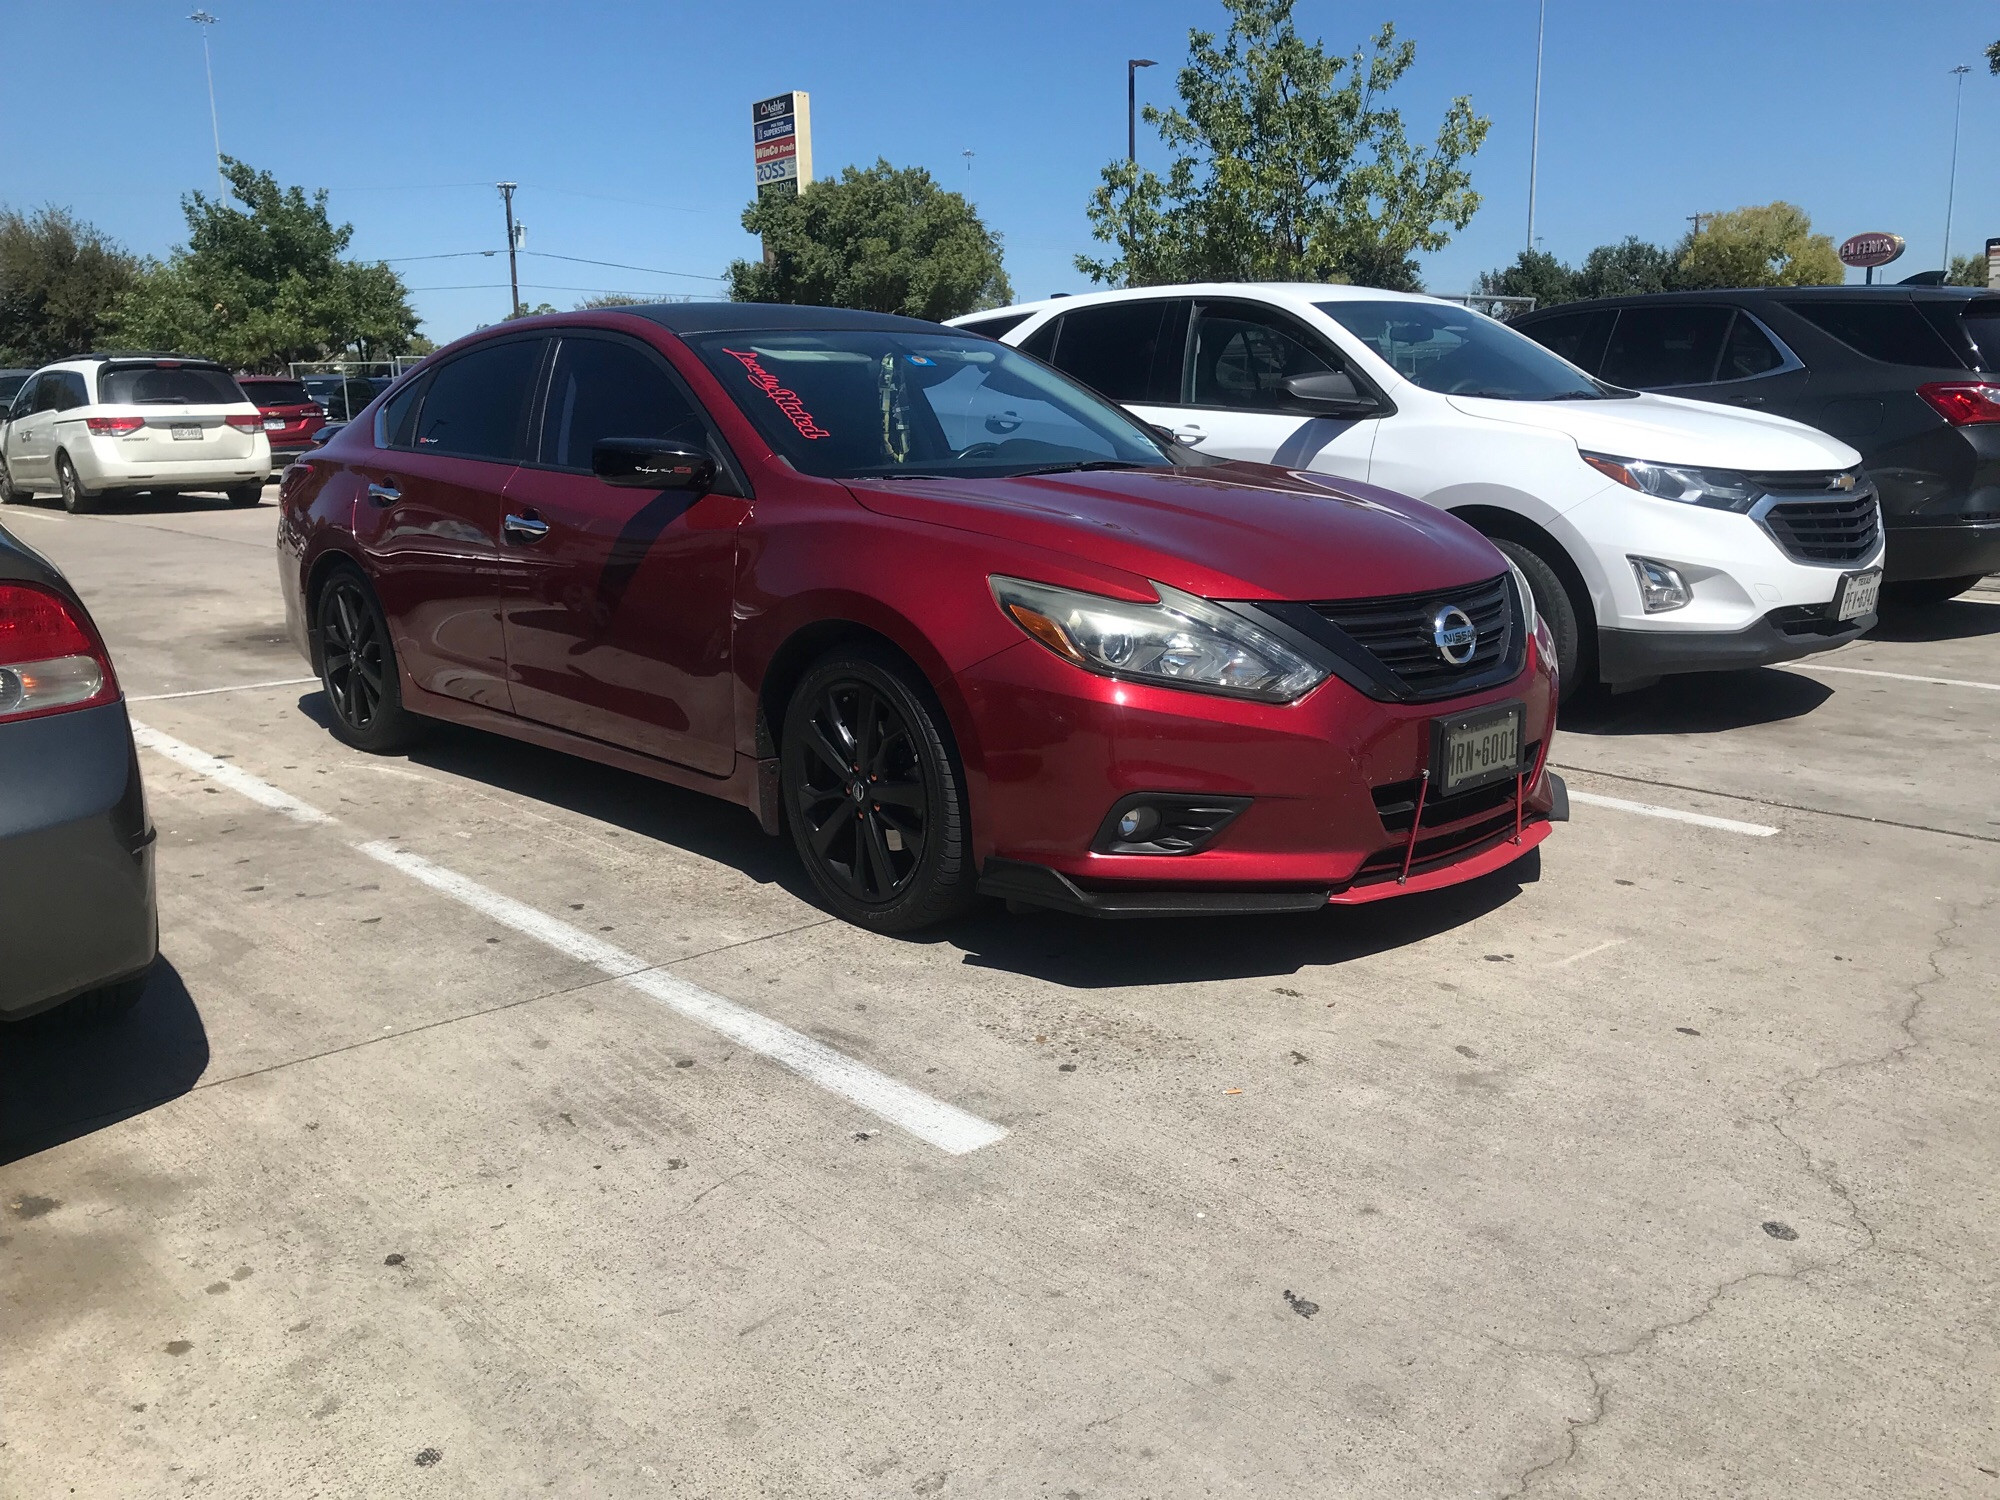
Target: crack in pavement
[1598, 1404]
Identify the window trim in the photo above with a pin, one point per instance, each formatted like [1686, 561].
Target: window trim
[1788, 361]
[429, 377]
[1061, 324]
[1364, 381]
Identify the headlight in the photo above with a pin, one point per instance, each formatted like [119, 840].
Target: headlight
[1718, 489]
[1527, 597]
[1182, 641]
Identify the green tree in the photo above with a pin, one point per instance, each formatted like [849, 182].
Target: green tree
[1289, 167]
[1771, 244]
[60, 281]
[1629, 267]
[612, 299]
[264, 284]
[884, 239]
[1535, 273]
[1967, 270]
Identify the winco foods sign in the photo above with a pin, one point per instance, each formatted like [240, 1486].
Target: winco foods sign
[781, 139]
[1870, 249]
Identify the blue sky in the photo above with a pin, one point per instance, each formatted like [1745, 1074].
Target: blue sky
[628, 125]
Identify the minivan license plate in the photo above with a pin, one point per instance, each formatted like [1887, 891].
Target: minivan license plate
[1472, 749]
[1857, 594]
[187, 432]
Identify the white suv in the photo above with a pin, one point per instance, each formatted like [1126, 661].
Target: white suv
[109, 422]
[1659, 535]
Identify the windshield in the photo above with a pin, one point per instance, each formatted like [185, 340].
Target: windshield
[864, 403]
[277, 392]
[1463, 353]
[167, 385]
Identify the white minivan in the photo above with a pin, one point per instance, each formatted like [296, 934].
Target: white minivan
[112, 424]
[1659, 535]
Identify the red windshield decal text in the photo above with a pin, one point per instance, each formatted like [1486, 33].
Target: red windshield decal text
[787, 401]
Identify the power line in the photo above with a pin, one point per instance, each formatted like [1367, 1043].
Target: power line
[532, 286]
[619, 265]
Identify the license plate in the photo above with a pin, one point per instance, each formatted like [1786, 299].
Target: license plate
[1857, 594]
[187, 432]
[275, 424]
[1471, 749]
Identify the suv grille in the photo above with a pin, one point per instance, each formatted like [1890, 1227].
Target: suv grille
[1825, 531]
[1396, 632]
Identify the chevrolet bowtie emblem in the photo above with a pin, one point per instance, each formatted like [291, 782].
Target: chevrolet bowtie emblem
[1843, 481]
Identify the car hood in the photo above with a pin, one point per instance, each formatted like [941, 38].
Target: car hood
[1231, 531]
[1669, 430]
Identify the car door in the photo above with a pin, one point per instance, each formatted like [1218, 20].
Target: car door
[617, 602]
[430, 523]
[31, 435]
[1131, 351]
[1239, 356]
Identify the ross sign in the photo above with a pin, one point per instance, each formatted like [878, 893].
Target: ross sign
[1992, 264]
[781, 141]
[1870, 249]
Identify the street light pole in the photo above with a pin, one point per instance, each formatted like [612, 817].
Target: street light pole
[513, 274]
[204, 20]
[1132, 67]
[1535, 136]
[1951, 192]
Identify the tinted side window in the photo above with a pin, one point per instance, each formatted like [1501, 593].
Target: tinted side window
[1893, 332]
[48, 392]
[1578, 337]
[478, 404]
[602, 388]
[1748, 351]
[1666, 345]
[1243, 355]
[1127, 351]
[397, 421]
[993, 328]
[72, 392]
[1042, 342]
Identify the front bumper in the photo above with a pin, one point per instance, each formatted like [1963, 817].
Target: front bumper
[1783, 635]
[76, 859]
[1330, 781]
[1942, 549]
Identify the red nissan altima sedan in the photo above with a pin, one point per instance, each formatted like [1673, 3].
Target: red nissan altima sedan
[955, 622]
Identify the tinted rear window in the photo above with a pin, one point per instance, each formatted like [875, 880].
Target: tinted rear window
[167, 385]
[1578, 337]
[277, 392]
[993, 328]
[1980, 322]
[1893, 332]
[477, 405]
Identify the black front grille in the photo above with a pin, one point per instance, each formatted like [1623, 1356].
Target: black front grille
[1826, 531]
[1397, 633]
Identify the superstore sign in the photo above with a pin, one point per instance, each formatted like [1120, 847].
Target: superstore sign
[781, 140]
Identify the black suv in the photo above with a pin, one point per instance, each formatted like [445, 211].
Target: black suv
[1910, 375]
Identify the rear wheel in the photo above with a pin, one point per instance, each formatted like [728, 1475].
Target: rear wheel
[75, 498]
[1916, 593]
[246, 494]
[9, 494]
[1567, 616]
[357, 667]
[875, 795]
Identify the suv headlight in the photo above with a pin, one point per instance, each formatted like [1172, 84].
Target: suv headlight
[1182, 641]
[1718, 489]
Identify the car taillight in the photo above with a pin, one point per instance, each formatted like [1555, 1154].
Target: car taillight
[247, 424]
[50, 660]
[1963, 403]
[113, 426]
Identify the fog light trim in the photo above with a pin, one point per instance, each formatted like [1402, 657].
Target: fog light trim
[1165, 823]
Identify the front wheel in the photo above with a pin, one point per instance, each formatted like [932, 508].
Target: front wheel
[76, 499]
[9, 493]
[875, 795]
[357, 667]
[1567, 620]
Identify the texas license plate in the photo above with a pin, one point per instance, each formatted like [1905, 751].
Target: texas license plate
[1471, 749]
[187, 432]
[1857, 594]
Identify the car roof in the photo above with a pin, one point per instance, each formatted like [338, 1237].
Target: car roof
[1289, 291]
[1754, 295]
[730, 317]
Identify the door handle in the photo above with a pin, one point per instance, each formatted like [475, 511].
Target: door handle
[384, 494]
[524, 529]
[1190, 434]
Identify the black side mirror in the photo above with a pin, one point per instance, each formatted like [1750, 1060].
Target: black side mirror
[1330, 393]
[652, 464]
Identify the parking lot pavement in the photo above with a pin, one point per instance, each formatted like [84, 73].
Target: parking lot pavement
[457, 1150]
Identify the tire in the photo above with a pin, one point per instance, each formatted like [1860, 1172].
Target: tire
[245, 495]
[898, 864]
[1570, 621]
[1919, 593]
[9, 495]
[357, 666]
[77, 500]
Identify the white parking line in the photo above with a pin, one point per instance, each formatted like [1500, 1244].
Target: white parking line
[235, 687]
[1814, 666]
[1673, 814]
[928, 1119]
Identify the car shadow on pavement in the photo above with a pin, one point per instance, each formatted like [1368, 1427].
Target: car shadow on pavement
[60, 1081]
[145, 503]
[1958, 619]
[1697, 703]
[1087, 953]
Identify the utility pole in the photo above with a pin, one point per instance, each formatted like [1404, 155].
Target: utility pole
[1951, 192]
[204, 20]
[1132, 67]
[1535, 137]
[513, 274]
[1695, 219]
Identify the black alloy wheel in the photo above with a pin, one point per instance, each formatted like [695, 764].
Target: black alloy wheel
[874, 794]
[358, 666]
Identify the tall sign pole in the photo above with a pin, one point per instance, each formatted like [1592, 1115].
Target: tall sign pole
[1951, 192]
[1535, 134]
[781, 145]
[513, 273]
[1132, 67]
[204, 20]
